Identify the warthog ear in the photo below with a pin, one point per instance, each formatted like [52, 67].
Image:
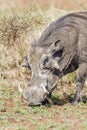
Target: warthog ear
[56, 49]
[26, 62]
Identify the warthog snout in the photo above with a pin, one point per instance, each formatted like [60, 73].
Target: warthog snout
[34, 95]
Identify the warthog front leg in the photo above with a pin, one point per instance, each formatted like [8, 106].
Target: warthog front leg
[81, 77]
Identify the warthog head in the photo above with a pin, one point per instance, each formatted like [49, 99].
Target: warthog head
[43, 75]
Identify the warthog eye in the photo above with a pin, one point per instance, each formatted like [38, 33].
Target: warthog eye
[45, 60]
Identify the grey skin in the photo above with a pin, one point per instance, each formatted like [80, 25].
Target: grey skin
[60, 50]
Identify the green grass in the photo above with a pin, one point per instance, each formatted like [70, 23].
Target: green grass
[53, 117]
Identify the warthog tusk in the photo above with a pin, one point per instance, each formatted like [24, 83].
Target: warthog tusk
[20, 89]
[45, 90]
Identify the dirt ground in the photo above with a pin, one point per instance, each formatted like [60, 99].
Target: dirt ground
[15, 114]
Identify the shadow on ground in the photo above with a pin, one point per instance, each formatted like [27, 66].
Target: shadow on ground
[62, 101]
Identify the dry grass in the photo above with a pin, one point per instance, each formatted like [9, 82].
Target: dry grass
[17, 31]
[13, 31]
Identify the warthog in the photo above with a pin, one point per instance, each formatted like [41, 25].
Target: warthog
[61, 49]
